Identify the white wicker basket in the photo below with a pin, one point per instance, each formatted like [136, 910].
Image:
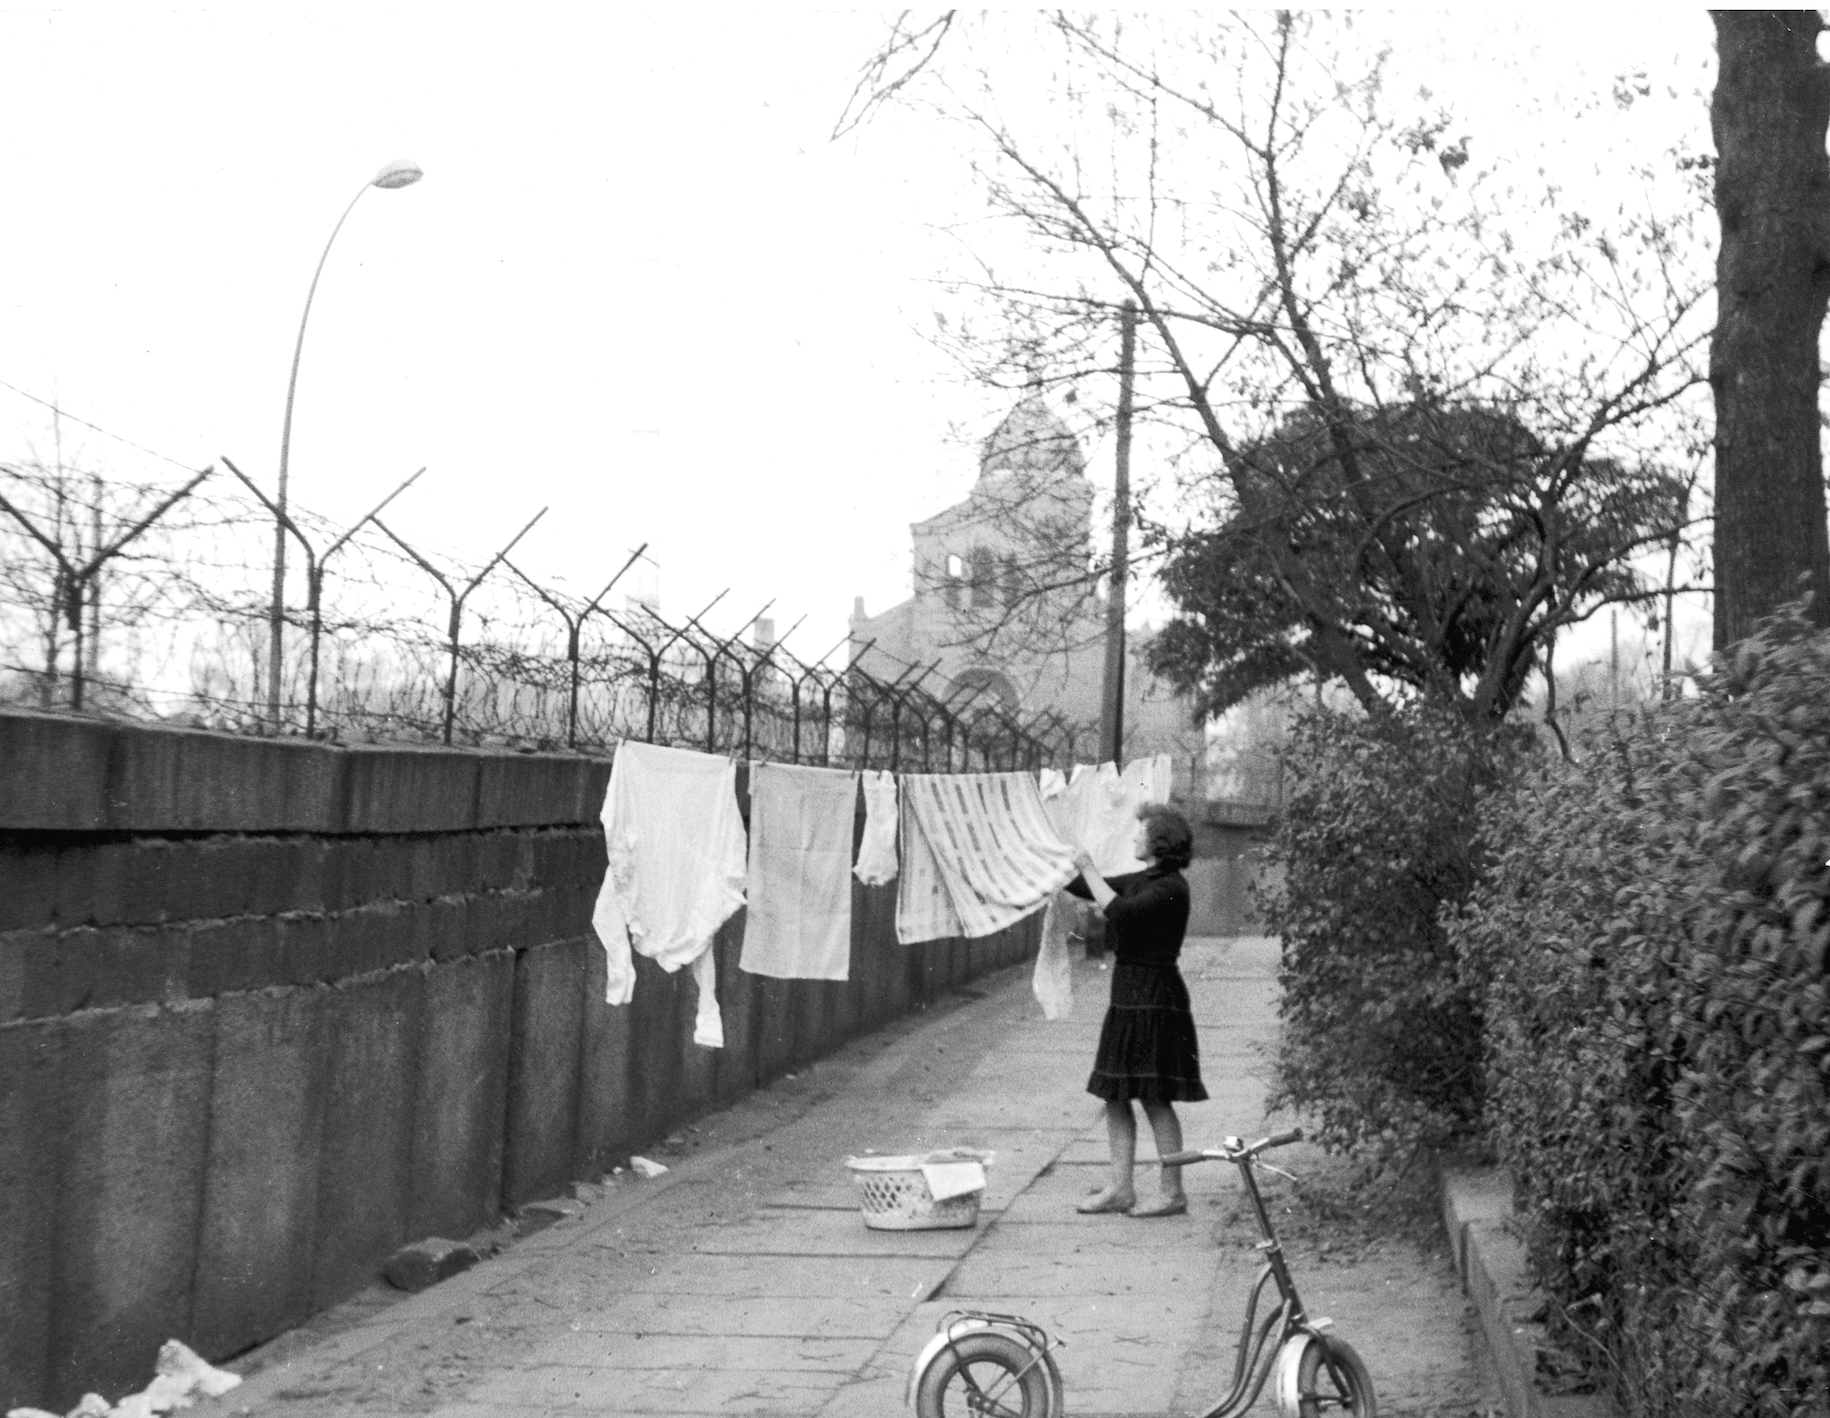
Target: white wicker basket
[895, 1195]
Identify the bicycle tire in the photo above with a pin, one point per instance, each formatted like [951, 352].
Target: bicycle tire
[984, 1375]
[1333, 1379]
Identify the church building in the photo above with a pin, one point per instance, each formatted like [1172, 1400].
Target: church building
[1003, 599]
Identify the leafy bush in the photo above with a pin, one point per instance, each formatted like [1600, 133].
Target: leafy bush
[1575, 935]
[1382, 1033]
[1651, 936]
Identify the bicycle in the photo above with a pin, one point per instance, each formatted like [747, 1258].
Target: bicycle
[990, 1365]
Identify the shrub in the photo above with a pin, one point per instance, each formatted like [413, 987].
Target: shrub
[1651, 936]
[1382, 1034]
[1575, 936]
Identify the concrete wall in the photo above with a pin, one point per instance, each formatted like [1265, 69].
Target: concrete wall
[1223, 878]
[269, 1010]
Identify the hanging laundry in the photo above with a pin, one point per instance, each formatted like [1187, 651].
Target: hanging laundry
[877, 853]
[1053, 978]
[675, 844]
[1097, 807]
[978, 854]
[1153, 778]
[798, 926]
[708, 1024]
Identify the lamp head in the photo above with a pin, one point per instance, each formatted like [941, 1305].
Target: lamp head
[399, 173]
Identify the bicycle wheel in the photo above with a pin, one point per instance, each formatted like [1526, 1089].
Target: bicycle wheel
[985, 1375]
[1334, 1380]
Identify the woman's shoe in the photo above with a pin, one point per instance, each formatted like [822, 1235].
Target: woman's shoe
[1163, 1206]
[1103, 1201]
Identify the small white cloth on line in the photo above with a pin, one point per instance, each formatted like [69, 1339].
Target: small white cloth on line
[675, 847]
[877, 852]
[978, 854]
[1052, 981]
[798, 926]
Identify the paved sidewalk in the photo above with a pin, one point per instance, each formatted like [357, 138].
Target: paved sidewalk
[744, 1281]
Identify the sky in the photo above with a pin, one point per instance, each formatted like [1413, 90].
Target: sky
[639, 285]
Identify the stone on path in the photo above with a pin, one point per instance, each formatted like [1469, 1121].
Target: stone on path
[427, 1262]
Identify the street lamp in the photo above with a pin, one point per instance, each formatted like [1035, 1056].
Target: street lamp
[400, 173]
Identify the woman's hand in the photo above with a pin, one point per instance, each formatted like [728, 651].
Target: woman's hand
[1083, 859]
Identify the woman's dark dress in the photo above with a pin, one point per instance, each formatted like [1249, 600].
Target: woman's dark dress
[1147, 1045]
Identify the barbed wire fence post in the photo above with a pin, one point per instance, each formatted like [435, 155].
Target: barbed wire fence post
[314, 580]
[457, 599]
[71, 590]
[762, 658]
[574, 627]
[711, 667]
[655, 654]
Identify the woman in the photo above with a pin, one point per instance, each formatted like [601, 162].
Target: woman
[1147, 1046]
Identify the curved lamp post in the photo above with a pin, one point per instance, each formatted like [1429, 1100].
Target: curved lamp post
[395, 174]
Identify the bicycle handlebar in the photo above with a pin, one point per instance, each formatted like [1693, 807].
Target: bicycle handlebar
[1233, 1149]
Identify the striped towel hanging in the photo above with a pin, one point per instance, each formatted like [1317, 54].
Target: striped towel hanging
[979, 854]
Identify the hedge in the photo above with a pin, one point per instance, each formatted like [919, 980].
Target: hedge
[1381, 1042]
[1649, 938]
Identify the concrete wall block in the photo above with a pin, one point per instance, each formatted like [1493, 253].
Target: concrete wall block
[544, 1060]
[808, 1003]
[267, 1108]
[248, 953]
[278, 873]
[444, 926]
[90, 968]
[567, 857]
[30, 1130]
[443, 864]
[396, 868]
[53, 772]
[573, 908]
[407, 942]
[352, 873]
[488, 924]
[461, 1109]
[773, 1027]
[400, 789]
[736, 1070]
[604, 1124]
[134, 1111]
[498, 861]
[74, 775]
[538, 789]
[168, 780]
[661, 1013]
[371, 1037]
[306, 954]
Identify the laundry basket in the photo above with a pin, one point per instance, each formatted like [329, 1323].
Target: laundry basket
[895, 1195]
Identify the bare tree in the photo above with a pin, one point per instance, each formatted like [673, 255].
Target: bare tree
[1359, 347]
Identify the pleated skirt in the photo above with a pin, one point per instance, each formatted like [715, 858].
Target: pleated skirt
[1147, 1047]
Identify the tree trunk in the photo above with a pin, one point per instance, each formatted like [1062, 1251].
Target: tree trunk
[1769, 115]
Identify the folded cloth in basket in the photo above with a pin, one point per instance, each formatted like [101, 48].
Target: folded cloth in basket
[950, 1179]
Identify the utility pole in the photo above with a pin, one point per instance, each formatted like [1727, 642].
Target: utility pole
[1112, 706]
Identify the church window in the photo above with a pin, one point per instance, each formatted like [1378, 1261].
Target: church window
[984, 579]
[1013, 581]
[954, 580]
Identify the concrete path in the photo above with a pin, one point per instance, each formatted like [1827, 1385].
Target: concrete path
[745, 1282]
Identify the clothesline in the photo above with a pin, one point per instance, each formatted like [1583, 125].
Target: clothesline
[972, 854]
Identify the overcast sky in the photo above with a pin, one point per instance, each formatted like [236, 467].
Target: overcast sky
[638, 283]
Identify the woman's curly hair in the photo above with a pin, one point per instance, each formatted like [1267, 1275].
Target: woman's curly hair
[1167, 834]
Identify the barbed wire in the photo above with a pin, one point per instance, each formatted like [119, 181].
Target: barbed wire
[147, 596]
